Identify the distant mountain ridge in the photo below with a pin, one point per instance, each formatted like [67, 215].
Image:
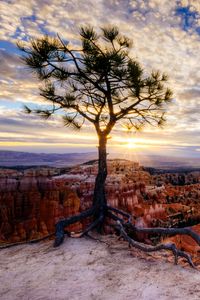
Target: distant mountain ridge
[16, 158]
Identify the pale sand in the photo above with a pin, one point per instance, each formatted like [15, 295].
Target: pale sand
[84, 269]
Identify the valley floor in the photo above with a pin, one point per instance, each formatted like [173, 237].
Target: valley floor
[84, 269]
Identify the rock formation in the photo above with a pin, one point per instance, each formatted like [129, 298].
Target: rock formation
[30, 207]
[32, 201]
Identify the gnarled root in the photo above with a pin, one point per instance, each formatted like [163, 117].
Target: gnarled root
[167, 231]
[60, 233]
[147, 248]
[124, 226]
[93, 225]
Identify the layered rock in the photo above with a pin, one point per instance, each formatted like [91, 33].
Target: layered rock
[30, 207]
[31, 202]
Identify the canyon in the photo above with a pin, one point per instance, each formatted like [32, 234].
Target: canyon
[33, 200]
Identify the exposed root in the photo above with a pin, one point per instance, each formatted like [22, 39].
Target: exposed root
[146, 248]
[60, 233]
[124, 227]
[92, 225]
[121, 212]
[166, 231]
[114, 217]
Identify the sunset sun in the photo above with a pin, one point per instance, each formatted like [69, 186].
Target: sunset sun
[131, 143]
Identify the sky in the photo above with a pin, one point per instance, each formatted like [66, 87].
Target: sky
[166, 37]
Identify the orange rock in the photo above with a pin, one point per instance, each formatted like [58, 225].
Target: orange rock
[30, 207]
[184, 242]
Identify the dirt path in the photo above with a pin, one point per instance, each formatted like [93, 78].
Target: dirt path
[83, 269]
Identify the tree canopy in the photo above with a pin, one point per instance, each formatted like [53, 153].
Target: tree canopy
[96, 80]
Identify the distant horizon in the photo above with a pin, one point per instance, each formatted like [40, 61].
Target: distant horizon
[81, 151]
[40, 151]
[85, 151]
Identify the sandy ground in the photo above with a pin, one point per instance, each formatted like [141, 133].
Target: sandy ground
[86, 269]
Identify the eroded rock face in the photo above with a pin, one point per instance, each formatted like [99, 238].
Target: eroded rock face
[30, 207]
[32, 202]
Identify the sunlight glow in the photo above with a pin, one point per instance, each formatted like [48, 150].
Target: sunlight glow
[131, 143]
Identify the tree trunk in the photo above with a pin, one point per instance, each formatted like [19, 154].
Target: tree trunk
[99, 198]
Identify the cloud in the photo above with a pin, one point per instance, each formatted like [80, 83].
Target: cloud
[165, 36]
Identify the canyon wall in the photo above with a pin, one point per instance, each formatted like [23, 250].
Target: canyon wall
[31, 202]
[30, 207]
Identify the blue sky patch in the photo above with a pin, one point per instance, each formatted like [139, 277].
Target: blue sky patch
[189, 18]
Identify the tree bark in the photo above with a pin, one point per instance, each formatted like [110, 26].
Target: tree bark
[99, 198]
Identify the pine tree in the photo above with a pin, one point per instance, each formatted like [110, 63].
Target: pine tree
[96, 81]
